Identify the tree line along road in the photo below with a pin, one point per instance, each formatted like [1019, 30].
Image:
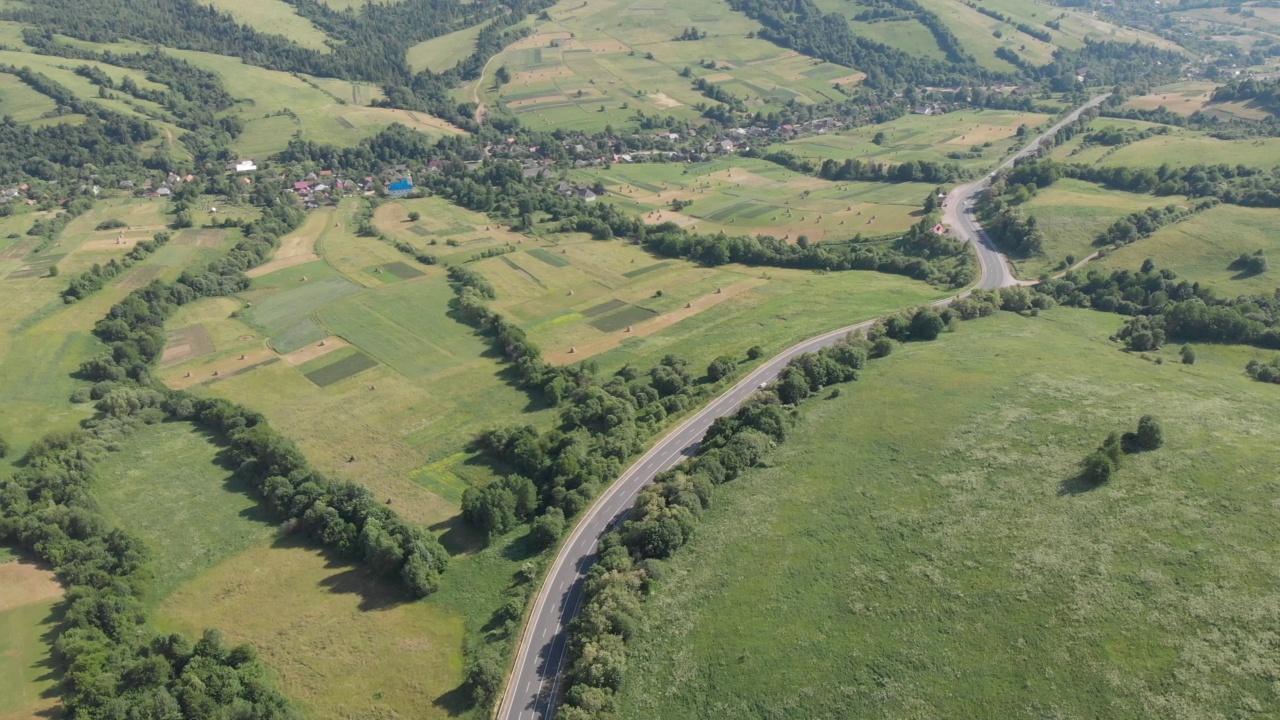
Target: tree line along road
[533, 687]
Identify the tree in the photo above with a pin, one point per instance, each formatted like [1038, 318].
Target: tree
[879, 138]
[1188, 355]
[415, 216]
[484, 677]
[926, 325]
[547, 529]
[1097, 468]
[4, 447]
[502, 76]
[755, 352]
[1150, 434]
[930, 203]
[53, 271]
[720, 368]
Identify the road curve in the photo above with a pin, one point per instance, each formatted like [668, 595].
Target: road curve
[533, 687]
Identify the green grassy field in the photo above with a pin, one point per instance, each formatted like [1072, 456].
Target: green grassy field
[925, 137]
[274, 16]
[1071, 213]
[29, 615]
[918, 548]
[441, 53]
[742, 196]
[1202, 247]
[208, 514]
[587, 66]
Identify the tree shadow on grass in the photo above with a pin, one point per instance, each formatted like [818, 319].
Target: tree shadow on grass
[348, 577]
[458, 537]
[455, 702]
[1077, 485]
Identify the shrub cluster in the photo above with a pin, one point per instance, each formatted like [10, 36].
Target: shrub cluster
[1103, 463]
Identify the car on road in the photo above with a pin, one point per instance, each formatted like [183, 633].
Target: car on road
[761, 385]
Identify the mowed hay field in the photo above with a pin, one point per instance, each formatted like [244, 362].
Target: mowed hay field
[29, 616]
[362, 367]
[1071, 213]
[742, 196]
[925, 137]
[44, 340]
[1202, 248]
[628, 306]
[1179, 147]
[918, 547]
[588, 57]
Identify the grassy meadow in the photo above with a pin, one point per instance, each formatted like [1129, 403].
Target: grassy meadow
[588, 67]
[919, 548]
[29, 616]
[743, 196]
[1179, 147]
[1203, 247]
[925, 137]
[1071, 213]
[275, 17]
[208, 514]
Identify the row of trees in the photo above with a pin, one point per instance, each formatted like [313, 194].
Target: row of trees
[343, 516]
[1165, 307]
[1233, 184]
[910, 171]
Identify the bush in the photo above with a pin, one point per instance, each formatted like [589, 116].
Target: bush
[4, 447]
[547, 529]
[881, 347]
[720, 368]
[755, 352]
[111, 224]
[1188, 355]
[1150, 434]
[926, 325]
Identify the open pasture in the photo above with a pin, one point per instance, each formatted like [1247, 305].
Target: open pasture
[342, 641]
[29, 615]
[275, 105]
[443, 229]
[1071, 213]
[1184, 147]
[1183, 98]
[742, 196]
[918, 546]
[1202, 248]
[588, 65]
[20, 102]
[209, 515]
[441, 53]
[924, 137]
[275, 17]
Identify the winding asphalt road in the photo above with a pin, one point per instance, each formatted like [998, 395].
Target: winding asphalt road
[533, 688]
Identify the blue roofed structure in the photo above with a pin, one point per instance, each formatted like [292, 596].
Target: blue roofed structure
[400, 188]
